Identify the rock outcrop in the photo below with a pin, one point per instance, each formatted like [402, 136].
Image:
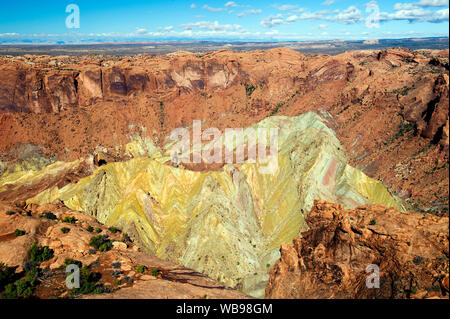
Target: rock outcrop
[238, 215]
[333, 258]
[390, 107]
[118, 267]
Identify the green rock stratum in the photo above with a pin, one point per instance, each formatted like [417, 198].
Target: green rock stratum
[231, 222]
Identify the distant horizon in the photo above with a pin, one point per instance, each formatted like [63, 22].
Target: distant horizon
[218, 41]
[83, 21]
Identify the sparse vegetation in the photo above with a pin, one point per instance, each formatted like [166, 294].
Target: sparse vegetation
[100, 243]
[19, 232]
[141, 269]
[402, 91]
[11, 287]
[155, 272]
[49, 215]
[89, 283]
[90, 229]
[277, 108]
[40, 254]
[98, 230]
[113, 229]
[69, 220]
[249, 89]
[65, 230]
[373, 222]
[70, 261]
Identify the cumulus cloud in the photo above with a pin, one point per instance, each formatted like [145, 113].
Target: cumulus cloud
[351, 15]
[211, 26]
[272, 32]
[328, 2]
[193, 6]
[316, 15]
[230, 4]
[413, 13]
[211, 9]
[272, 21]
[248, 12]
[291, 19]
[432, 3]
[141, 31]
[165, 29]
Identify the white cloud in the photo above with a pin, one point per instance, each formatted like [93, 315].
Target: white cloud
[317, 15]
[351, 15]
[287, 7]
[248, 12]
[210, 9]
[165, 29]
[328, 2]
[322, 27]
[433, 3]
[141, 31]
[412, 13]
[272, 32]
[291, 19]
[230, 4]
[193, 6]
[272, 21]
[211, 26]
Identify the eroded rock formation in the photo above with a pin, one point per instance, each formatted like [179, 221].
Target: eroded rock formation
[331, 258]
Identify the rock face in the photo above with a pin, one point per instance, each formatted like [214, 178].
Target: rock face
[363, 127]
[118, 264]
[390, 107]
[331, 258]
[238, 215]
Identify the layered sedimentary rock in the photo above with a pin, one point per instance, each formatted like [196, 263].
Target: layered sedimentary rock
[335, 258]
[390, 107]
[228, 223]
[117, 266]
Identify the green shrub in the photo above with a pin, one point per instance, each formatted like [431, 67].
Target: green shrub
[249, 89]
[126, 238]
[155, 272]
[98, 230]
[7, 275]
[65, 230]
[373, 222]
[22, 288]
[100, 243]
[69, 219]
[40, 254]
[70, 261]
[19, 232]
[141, 269]
[113, 229]
[90, 229]
[49, 215]
[88, 283]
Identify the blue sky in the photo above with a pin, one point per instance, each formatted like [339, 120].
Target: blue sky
[263, 20]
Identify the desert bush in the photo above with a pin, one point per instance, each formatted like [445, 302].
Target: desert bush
[69, 219]
[19, 232]
[101, 243]
[40, 254]
[141, 269]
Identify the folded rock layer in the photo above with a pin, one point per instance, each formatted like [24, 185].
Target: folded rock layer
[228, 223]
